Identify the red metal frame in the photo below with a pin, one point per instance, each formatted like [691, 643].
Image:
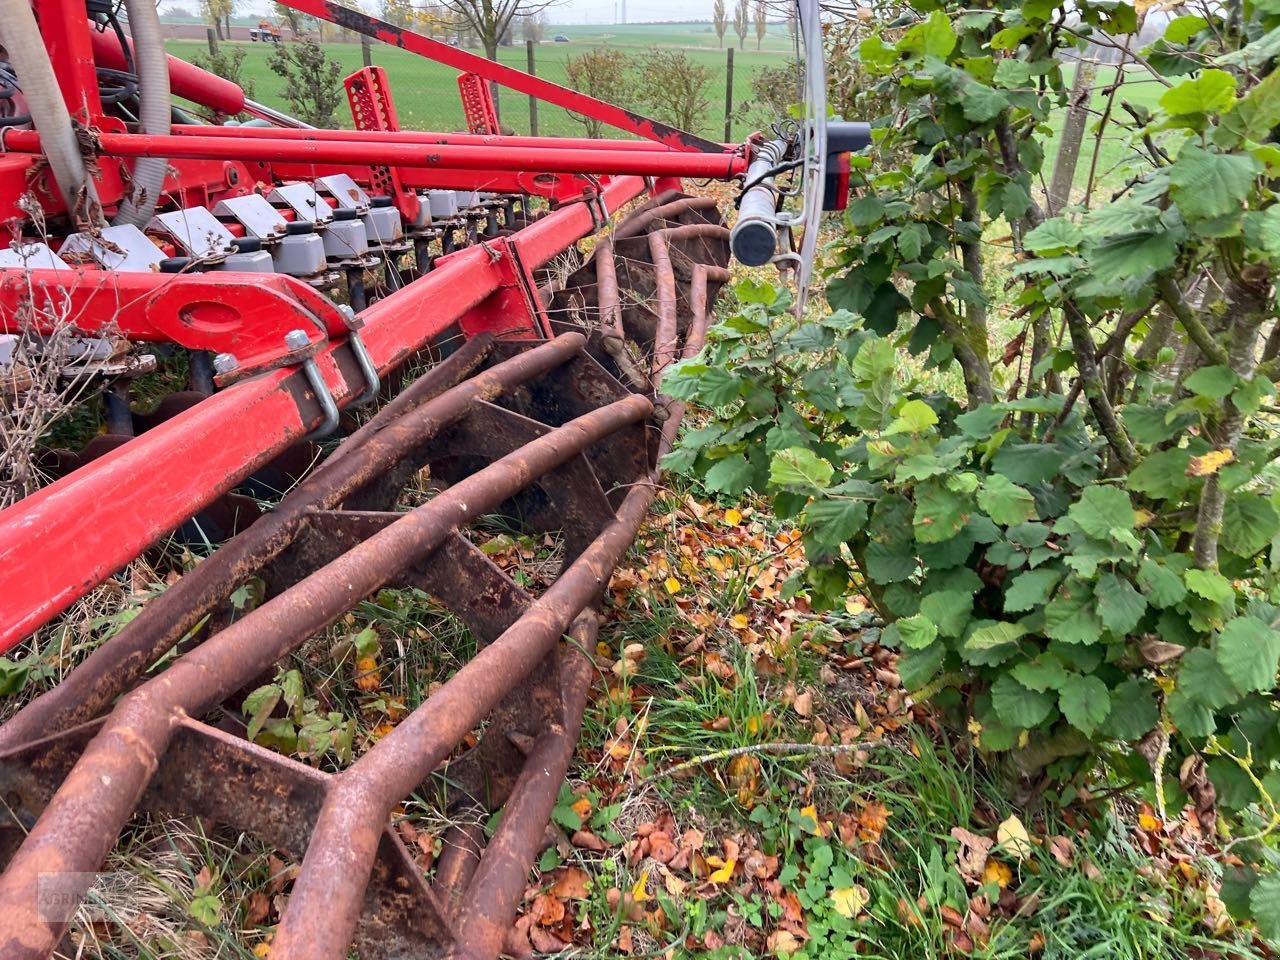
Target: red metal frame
[49, 555]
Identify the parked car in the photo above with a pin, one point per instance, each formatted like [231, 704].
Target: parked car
[560, 38]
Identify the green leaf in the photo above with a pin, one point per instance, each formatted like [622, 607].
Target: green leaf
[13, 675]
[731, 474]
[1264, 903]
[1117, 261]
[1162, 586]
[1212, 91]
[1202, 679]
[865, 211]
[1163, 474]
[1133, 710]
[991, 641]
[889, 563]
[833, 521]
[1249, 651]
[918, 667]
[916, 416]
[1017, 705]
[949, 610]
[1028, 463]
[1182, 29]
[916, 632]
[258, 705]
[1053, 238]
[799, 467]
[206, 909]
[981, 103]
[1207, 185]
[1101, 510]
[1213, 382]
[1150, 425]
[1072, 616]
[934, 37]
[718, 387]
[1211, 585]
[1031, 589]
[1119, 605]
[1085, 702]
[1044, 673]
[1005, 502]
[1249, 524]
[940, 513]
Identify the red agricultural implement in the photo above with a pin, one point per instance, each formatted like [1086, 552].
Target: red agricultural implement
[294, 274]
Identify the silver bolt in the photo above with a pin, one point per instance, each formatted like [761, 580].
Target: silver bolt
[296, 339]
[225, 363]
[348, 314]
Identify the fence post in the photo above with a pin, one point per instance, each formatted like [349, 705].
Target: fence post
[213, 41]
[366, 50]
[533, 101]
[728, 97]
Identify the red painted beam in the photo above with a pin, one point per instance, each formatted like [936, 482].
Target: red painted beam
[422, 137]
[517, 80]
[66, 538]
[650, 163]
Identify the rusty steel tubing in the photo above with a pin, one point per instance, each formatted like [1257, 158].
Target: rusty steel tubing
[639, 222]
[84, 817]
[666, 332]
[607, 288]
[325, 902]
[499, 881]
[114, 666]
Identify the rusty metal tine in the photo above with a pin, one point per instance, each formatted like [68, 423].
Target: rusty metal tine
[119, 662]
[499, 880]
[323, 906]
[457, 366]
[607, 288]
[637, 225]
[459, 858]
[82, 821]
[664, 339]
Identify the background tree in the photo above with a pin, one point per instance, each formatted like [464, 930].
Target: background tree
[720, 20]
[533, 26]
[491, 20]
[312, 81]
[604, 73]
[742, 22]
[761, 22]
[298, 22]
[218, 13]
[399, 13]
[674, 89]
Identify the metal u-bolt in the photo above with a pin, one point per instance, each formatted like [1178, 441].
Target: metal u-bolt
[298, 340]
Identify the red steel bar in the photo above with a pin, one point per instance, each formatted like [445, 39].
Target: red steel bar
[423, 137]
[656, 163]
[49, 557]
[516, 80]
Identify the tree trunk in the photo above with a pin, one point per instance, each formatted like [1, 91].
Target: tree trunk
[1073, 127]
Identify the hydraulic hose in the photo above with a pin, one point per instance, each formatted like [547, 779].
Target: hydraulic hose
[154, 112]
[30, 61]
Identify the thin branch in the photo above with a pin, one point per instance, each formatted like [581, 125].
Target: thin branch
[1171, 294]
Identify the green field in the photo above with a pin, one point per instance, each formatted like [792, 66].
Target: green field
[426, 93]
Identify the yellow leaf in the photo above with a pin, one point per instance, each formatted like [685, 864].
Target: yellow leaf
[812, 813]
[1210, 463]
[672, 585]
[582, 807]
[849, 901]
[367, 676]
[1013, 839]
[739, 621]
[640, 891]
[723, 874]
[732, 517]
[262, 950]
[755, 723]
[1147, 822]
[997, 873]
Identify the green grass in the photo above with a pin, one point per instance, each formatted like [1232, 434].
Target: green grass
[426, 92]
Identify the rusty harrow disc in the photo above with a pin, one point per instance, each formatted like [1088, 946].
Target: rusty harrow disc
[560, 435]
